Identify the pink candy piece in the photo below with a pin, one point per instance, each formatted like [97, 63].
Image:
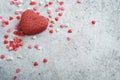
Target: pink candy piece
[0, 17]
[62, 8]
[49, 11]
[2, 56]
[12, 2]
[78, 1]
[30, 46]
[68, 38]
[50, 15]
[35, 8]
[17, 26]
[36, 46]
[18, 70]
[51, 25]
[15, 77]
[9, 30]
[3, 25]
[62, 26]
[57, 10]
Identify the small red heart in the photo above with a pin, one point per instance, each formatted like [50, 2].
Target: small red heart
[32, 23]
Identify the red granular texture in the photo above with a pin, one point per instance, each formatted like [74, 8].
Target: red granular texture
[33, 3]
[45, 60]
[36, 63]
[32, 23]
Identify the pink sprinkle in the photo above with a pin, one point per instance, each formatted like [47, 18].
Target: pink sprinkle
[21, 43]
[2, 56]
[68, 38]
[51, 25]
[18, 70]
[0, 17]
[62, 26]
[12, 2]
[78, 1]
[9, 30]
[57, 10]
[15, 77]
[50, 16]
[7, 46]
[16, 12]
[3, 25]
[36, 46]
[35, 8]
[17, 26]
[30, 46]
[49, 11]
[62, 8]
[18, 2]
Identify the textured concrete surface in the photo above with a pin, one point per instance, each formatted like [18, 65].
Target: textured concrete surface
[92, 54]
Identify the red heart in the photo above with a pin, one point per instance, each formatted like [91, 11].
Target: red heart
[32, 23]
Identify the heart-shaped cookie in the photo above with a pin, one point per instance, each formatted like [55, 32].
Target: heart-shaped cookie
[32, 23]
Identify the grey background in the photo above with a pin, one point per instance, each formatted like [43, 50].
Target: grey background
[92, 54]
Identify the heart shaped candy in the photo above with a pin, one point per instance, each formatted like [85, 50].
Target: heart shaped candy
[32, 23]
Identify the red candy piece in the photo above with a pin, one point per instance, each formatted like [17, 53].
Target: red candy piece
[2, 56]
[36, 63]
[45, 60]
[69, 30]
[93, 21]
[33, 3]
[32, 23]
[10, 18]
[6, 36]
[5, 41]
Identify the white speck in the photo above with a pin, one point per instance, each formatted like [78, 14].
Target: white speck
[10, 58]
[34, 37]
[41, 3]
[53, 21]
[19, 56]
[57, 30]
[67, 25]
[47, 0]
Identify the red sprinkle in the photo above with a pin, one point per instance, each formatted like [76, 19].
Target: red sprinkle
[33, 3]
[36, 63]
[15, 77]
[51, 31]
[18, 70]
[18, 17]
[69, 30]
[5, 41]
[56, 18]
[2, 56]
[50, 3]
[61, 2]
[93, 21]
[60, 14]
[45, 60]
[6, 36]
[10, 18]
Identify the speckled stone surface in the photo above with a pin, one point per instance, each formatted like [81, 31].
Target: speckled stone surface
[93, 53]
